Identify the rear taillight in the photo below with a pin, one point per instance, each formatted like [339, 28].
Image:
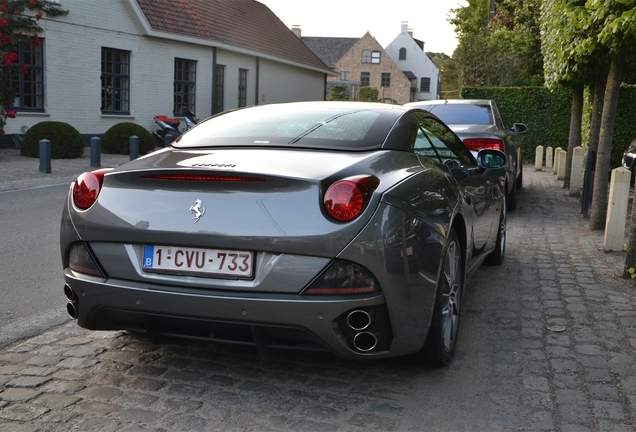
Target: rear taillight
[81, 260]
[477, 144]
[87, 187]
[342, 277]
[346, 199]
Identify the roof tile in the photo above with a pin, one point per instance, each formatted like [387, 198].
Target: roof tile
[244, 23]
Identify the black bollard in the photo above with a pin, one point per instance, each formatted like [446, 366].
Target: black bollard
[45, 156]
[96, 152]
[134, 147]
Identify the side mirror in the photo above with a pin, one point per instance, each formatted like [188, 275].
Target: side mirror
[519, 128]
[489, 158]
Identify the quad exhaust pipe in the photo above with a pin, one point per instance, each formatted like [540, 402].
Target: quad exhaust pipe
[71, 306]
[360, 320]
[366, 341]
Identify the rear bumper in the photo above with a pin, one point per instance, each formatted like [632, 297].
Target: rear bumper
[262, 320]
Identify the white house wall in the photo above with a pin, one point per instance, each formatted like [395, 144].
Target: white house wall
[279, 83]
[72, 61]
[417, 62]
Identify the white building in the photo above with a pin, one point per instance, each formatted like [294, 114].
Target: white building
[116, 61]
[408, 53]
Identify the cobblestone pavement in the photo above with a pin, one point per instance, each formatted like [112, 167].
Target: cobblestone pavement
[547, 343]
[20, 172]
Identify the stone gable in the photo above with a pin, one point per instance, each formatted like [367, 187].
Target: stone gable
[398, 92]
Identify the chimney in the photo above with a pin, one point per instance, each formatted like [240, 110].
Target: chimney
[296, 30]
[405, 26]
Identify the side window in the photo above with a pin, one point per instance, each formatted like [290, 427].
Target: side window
[442, 143]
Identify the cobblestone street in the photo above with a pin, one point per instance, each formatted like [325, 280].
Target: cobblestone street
[547, 343]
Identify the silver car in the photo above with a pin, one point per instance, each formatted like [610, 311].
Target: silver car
[480, 124]
[348, 227]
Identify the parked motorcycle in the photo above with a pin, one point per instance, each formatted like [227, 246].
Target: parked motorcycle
[169, 127]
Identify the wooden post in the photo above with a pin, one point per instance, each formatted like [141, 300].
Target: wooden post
[576, 173]
[538, 158]
[561, 164]
[617, 209]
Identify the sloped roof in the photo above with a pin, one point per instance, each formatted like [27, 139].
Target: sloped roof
[243, 23]
[329, 49]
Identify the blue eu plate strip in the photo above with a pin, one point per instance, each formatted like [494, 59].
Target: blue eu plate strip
[149, 252]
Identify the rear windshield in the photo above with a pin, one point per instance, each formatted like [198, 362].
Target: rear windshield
[347, 127]
[462, 114]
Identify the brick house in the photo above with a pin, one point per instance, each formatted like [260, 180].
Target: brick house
[362, 62]
[116, 61]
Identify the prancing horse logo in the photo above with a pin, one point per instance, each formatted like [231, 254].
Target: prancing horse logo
[198, 210]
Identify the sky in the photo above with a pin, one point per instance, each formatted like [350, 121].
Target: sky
[348, 18]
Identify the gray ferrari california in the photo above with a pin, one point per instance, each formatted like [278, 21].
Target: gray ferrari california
[342, 226]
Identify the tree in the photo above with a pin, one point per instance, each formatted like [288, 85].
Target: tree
[448, 73]
[502, 51]
[562, 31]
[616, 20]
[17, 27]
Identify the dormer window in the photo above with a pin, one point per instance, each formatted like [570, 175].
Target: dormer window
[402, 54]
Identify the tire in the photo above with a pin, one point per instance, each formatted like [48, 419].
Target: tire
[442, 335]
[496, 257]
[512, 198]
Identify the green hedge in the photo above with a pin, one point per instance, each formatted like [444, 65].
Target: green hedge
[625, 127]
[116, 140]
[66, 141]
[547, 115]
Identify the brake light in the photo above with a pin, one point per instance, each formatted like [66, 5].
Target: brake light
[477, 144]
[346, 199]
[342, 277]
[203, 177]
[87, 187]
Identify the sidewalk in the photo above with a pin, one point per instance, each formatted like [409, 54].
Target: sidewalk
[20, 172]
[552, 332]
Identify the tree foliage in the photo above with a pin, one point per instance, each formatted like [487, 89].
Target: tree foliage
[502, 51]
[18, 24]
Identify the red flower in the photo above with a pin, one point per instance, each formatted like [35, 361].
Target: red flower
[33, 3]
[38, 15]
[17, 12]
[9, 58]
[11, 112]
[24, 69]
[4, 8]
[1, 131]
[3, 22]
[36, 40]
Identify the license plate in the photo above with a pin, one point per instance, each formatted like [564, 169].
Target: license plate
[219, 262]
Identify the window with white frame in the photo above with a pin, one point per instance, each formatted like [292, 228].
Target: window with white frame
[28, 79]
[115, 81]
[386, 79]
[185, 74]
[242, 99]
[425, 85]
